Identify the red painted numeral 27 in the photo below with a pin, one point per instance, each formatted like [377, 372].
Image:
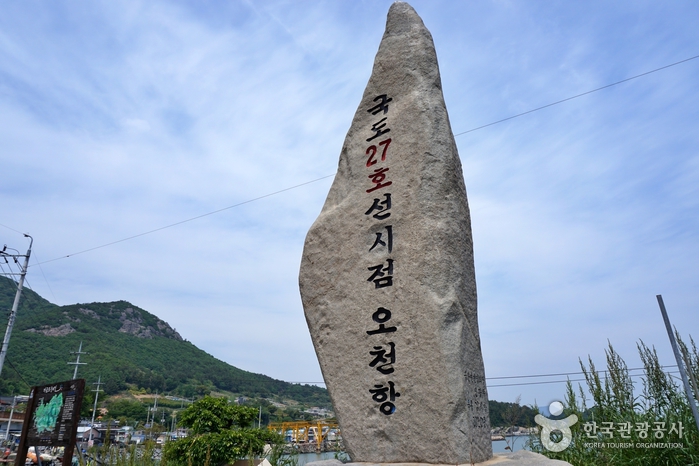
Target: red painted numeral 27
[371, 152]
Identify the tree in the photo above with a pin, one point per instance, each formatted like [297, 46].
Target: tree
[220, 433]
[129, 409]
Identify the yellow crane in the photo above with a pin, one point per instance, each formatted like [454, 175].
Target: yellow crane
[305, 431]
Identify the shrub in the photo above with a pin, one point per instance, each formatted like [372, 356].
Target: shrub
[220, 433]
[632, 418]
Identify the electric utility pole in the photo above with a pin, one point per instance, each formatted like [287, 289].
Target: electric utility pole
[13, 314]
[678, 358]
[155, 410]
[12, 411]
[77, 361]
[174, 421]
[94, 408]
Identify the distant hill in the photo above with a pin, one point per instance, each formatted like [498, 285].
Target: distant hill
[503, 414]
[128, 347]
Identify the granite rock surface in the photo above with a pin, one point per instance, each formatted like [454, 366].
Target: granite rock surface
[387, 277]
[518, 458]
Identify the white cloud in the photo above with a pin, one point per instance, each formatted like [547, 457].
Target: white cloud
[120, 118]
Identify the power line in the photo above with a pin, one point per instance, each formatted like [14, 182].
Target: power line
[561, 373]
[559, 381]
[10, 274]
[10, 228]
[15, 369]
[328, 176]
[35, 260]
[579, 95]
[538, 376]
[187, 220]
[44, 275]
[534, 383]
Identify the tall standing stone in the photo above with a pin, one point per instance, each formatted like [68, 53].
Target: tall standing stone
[387, 276]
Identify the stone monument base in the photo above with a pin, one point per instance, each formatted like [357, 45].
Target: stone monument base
[518, 458]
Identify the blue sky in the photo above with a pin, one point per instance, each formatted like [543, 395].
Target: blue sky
[118, 118]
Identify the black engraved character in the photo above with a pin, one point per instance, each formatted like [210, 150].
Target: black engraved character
[383, 105]
[386, 358]
[378, 129]
[389, 239]
[377, 178]
[381, 281]
[380, 395]
[382, 208]
[381, 316]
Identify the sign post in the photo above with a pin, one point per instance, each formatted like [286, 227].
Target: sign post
[51, 419]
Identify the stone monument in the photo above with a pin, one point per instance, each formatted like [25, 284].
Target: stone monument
[387, 276]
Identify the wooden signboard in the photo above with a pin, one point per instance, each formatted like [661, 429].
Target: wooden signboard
[51, 419]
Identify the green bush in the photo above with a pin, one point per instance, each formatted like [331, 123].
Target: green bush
[220, 433]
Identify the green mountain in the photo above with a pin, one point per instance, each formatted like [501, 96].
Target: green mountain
[128, 347]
